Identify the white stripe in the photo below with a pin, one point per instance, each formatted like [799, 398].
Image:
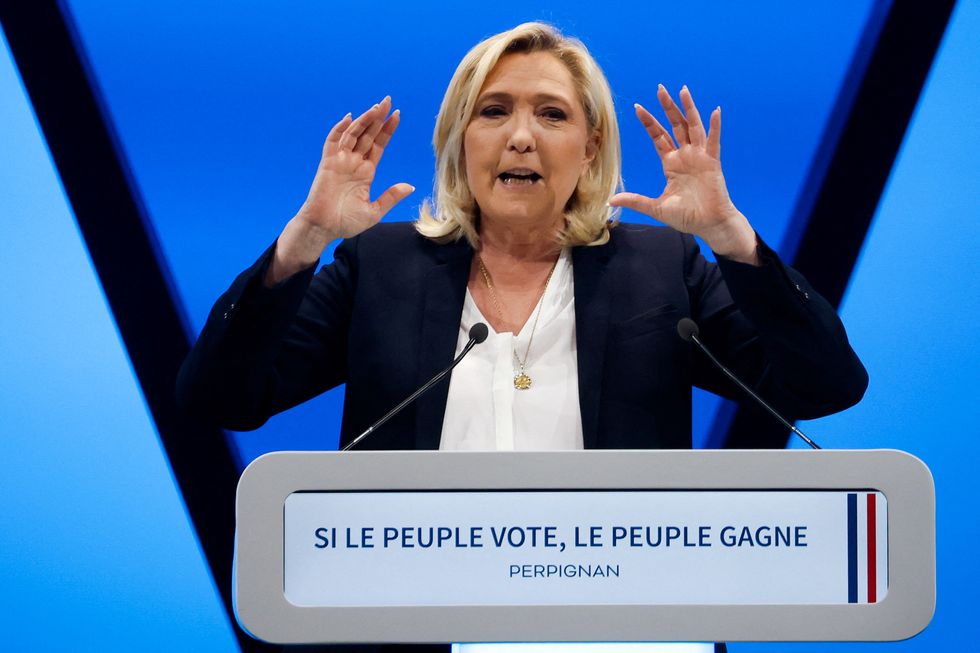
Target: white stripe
[862, 547]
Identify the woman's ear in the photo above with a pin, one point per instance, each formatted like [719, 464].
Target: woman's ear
[591, 150]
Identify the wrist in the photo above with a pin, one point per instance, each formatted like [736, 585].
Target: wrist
[735, 239]
[305, 225]
[298, 247]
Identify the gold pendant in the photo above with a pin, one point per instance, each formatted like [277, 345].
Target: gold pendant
[522, 381]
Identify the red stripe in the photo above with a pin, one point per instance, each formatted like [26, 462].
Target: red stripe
[872, 562]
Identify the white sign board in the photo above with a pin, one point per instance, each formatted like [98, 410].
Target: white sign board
[585, 546]
[581, 548]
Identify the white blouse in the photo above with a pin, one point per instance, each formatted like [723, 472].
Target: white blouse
[485, 412]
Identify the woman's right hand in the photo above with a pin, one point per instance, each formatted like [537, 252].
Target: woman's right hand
[339, 203]
[340, 198]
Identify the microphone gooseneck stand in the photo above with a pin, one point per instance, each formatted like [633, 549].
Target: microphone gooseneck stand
[478, 333]
[688, 330]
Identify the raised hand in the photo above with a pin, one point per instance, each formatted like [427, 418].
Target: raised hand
[340, 197]
[696, 199]
[339, 202]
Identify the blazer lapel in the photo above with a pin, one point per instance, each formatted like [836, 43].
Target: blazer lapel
[592, 305]
[444, 291]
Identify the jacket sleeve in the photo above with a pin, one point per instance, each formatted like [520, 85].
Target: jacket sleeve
[775, 331]
[263, 350]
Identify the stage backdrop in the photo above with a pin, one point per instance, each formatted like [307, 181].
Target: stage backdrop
[220, 113]
[96, 551]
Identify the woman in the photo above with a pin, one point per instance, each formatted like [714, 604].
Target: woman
[522, 236]
[583, 351]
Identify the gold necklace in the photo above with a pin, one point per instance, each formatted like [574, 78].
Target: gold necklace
[521, 380]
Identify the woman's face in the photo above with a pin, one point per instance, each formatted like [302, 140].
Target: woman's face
[527, 142]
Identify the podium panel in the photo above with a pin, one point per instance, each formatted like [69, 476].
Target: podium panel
[585, 546]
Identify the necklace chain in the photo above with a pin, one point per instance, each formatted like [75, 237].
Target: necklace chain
[521, 380]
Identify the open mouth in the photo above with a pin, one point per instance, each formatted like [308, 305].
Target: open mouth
[518, 177]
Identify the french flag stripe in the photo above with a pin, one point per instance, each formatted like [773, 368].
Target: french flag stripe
[872, 551]
[852, 549]
[867, 547]
[862, 548]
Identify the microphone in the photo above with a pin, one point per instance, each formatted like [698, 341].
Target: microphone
[688, 330]
[478, 333]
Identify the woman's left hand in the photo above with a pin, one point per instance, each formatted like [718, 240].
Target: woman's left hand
[696, 199]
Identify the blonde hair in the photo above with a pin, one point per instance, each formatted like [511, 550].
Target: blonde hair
[588, 217]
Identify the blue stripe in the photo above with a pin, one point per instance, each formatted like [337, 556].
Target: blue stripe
[852, 548]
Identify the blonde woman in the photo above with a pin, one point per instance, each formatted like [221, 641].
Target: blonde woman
[520, 234]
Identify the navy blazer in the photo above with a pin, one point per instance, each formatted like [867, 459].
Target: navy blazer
[384, 317]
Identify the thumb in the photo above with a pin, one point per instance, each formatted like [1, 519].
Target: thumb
[393, 196]
[637, 202]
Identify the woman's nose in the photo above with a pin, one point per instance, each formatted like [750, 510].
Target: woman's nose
[521, 137]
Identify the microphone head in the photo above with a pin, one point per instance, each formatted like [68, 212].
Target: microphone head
[479, 332]
[687, 329]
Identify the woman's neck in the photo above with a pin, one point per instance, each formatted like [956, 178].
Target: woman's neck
[519, 244]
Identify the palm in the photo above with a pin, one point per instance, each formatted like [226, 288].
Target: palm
[695, 194]
[343, 184]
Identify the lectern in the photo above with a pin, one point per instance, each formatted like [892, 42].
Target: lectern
[427, 546]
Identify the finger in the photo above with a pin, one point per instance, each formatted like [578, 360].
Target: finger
[333, 138]
[349, 138]
[637, 202]
[714, 134]
[378, 149]
[392, 196]
[353, 132]
[695, 129]
[677, 121]
[366, 139]
[661, 139]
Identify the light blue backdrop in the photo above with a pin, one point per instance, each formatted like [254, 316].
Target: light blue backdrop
[96, 550]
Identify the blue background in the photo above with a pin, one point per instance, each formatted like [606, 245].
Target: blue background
[220, 116]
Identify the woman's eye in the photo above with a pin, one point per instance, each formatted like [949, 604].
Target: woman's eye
[554, 114]
[492, 111]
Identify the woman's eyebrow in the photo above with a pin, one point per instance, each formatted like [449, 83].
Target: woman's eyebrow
[537, 98]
